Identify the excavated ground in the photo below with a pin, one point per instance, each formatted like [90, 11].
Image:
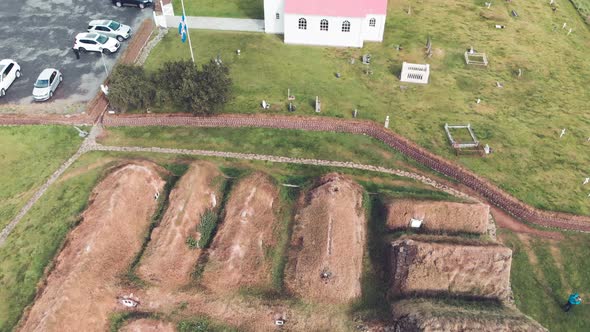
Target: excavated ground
[148, 325]
[452, 268]
[237, 257]
[168, 260]
[81, 291]
[438, 216]
[328, 242]
[430, 315]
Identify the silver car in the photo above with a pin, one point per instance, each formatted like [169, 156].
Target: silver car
[110, 28]
[46, 84]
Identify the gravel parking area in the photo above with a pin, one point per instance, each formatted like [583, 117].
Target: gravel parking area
[39, 34]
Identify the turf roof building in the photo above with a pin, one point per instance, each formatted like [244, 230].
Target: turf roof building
[345, 23]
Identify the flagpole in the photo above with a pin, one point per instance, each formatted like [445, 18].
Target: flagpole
[187, 33]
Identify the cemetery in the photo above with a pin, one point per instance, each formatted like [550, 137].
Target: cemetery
[538, 92]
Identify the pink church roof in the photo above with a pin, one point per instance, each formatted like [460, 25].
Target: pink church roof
[347, 8]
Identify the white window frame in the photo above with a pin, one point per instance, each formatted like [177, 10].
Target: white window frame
[324, 25]
[302, 24]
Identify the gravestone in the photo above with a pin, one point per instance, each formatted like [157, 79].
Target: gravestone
[318, 106]
[367, 59]
[387, 121]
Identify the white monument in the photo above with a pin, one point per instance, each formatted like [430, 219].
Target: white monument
[415, 73]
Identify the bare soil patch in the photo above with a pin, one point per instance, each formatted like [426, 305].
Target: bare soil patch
[168, 260]
[504, 220]
[328, 242]
[425, 315]
[81, 291]
[438, 216]
[237, 257]
[470, 270]
[148, 325]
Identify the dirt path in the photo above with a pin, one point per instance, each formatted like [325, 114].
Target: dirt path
[168, 260]
[328, 242]
[504, 220]
[148, 325]
[81, 291]
[237, 256]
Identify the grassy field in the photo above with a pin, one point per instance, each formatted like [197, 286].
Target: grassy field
[520, 121]
[221, 8]
[28, 155]
[545, 272]
[583, 7]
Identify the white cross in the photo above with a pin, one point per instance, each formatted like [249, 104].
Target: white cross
[586, 180]
[562, 133]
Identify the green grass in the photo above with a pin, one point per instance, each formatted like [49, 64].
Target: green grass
[203, 324]
[36, 240]
[540, 289]
[207, 228]
[521, 121]
[28, 156]
[583, 7]
[291, 143]
[221, 8]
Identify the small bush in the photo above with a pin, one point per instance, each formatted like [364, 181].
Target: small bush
[192, 243]
[207, 228]
[130, 88]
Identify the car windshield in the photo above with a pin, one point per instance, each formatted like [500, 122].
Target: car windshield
[114, 25]
[102, 39]
[42, 83]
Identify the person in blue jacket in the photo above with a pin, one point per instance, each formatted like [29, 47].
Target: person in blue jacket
[573, 300]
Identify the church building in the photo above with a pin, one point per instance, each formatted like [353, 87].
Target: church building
[344, 23]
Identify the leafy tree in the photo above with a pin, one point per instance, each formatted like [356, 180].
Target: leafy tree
[130, 88]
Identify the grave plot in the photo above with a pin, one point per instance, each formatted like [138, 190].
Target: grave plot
[82, 291]
[169, 260]
[328, 242]
[433, 315]
[237, 257]
[436, 216]
[450, 268]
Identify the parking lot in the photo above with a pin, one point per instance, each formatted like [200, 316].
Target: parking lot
[39, 34]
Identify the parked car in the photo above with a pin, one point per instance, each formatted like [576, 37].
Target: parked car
[46, 84]
[95, 42]
[139, 3]
[110, 28]
[9, 71]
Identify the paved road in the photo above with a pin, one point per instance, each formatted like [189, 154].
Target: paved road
[40, 34]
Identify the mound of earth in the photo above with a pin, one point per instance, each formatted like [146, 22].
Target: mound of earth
[237, 256]
[438, 216]
[168, 259]
[469, 269]
[328, 242]
[82, 291]
[148, 325]
[429, 315]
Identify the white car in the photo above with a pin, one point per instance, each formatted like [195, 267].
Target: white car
[46, 84]
[95, 42]
[110, 28]
[9, 71]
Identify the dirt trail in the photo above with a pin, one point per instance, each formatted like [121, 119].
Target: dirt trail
[237, 256]
[439, 216]
[328, 242]
[168, 260]
[148, 325]
[81, 291]
[504, 220]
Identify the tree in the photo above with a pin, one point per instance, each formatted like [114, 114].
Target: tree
[197, 91]
[130, 88]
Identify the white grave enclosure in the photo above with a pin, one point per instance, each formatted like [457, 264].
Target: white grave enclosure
[415, 73]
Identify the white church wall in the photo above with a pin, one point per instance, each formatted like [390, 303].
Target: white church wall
[314, 36]
[271, 9]
[373, 33]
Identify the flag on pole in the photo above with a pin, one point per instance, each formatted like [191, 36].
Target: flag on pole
[182, 29]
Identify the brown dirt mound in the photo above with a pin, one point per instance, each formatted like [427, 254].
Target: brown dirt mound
[237, 256]
[439, 216]
[81, 291]
[148, 325]
[168, 260]
[425, 315]
[457, 269]
[328, 237]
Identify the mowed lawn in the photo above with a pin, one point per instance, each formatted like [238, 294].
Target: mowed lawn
[521, 121]
[221, 8]
[28, 156]
[545, 272]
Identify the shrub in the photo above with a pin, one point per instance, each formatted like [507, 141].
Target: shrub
[130, 88]
[192, 243]
[207, 228]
